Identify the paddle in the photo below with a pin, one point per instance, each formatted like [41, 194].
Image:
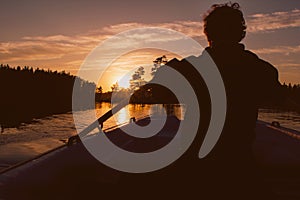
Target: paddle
[99, 121]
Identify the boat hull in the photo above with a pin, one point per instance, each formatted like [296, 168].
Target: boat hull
[71, 171]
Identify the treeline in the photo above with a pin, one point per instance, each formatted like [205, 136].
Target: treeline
[148, 94]
[292, 93]
[28, 93]
[156, 94]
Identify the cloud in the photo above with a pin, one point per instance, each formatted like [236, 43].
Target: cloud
[273, 21]
[286, 50]
[49, 48]
[69, 51]
[46, 48]
[256, 23]
[30, 50]
[289, 67]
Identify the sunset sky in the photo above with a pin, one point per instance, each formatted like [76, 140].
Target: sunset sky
[60, 34]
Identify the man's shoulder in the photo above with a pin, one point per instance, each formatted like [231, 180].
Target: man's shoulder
[180, 64]
[175, 61]
[262, 68]
[251, 54]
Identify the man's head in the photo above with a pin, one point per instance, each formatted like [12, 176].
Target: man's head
[224, 23]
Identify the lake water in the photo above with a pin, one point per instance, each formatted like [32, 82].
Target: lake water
[44, 134]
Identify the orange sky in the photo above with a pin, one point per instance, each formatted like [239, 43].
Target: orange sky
[118, 71]
[62, 39]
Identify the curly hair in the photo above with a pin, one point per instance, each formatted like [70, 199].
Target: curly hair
[224, 23]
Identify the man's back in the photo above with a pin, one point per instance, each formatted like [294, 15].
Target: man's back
[249, 83]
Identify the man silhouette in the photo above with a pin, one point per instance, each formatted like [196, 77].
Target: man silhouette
[250, 82]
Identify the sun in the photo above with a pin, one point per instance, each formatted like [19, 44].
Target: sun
[123, 81]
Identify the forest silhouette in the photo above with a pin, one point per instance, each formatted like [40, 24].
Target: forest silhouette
[28, 93]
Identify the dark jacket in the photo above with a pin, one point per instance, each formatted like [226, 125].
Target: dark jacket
[250, 83]
[228, 170]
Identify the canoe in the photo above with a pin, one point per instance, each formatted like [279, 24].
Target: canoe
[70, 171]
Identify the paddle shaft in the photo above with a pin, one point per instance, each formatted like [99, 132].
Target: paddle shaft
[103, 118]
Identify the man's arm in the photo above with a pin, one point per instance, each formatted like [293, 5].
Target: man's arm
[273, 93]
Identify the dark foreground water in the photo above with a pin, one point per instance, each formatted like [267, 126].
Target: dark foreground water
[44, 134]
